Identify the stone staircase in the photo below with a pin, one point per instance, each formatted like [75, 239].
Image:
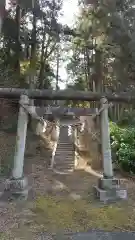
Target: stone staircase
[65, 153]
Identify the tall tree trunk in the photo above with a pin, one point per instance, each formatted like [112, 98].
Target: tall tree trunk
[42, 62]
[57, 68]
[17, 54]
[33, 50]
[88, 69]
[98, 70]
[7, 50]
[32, 70]
[2, 11]
[57, 72]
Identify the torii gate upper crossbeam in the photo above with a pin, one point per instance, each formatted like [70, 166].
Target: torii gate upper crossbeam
[15, 93]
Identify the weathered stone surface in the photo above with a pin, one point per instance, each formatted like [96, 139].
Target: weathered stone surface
[18, 188]
[108, 183]
[65, 154]
[89, 146]
[92, 235]
[110, 195]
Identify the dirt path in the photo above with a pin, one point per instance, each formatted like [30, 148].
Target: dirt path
[61, 203]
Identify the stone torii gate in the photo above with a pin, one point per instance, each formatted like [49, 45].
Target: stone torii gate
[108, 187]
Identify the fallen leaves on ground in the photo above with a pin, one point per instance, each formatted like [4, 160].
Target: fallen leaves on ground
[55, 213]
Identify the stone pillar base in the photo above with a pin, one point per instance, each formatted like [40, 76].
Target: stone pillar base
[109, 190]
[18, 188]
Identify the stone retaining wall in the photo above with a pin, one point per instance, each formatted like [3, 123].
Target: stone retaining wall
[88, 146]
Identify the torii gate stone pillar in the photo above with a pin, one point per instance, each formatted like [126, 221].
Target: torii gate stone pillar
[108, 188]
[17, 184]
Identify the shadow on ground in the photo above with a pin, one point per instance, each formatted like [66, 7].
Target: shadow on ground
[61, 203]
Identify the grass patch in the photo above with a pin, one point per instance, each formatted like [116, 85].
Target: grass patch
[4, 236]
[59, 214]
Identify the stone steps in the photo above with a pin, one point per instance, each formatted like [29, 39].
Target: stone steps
[65, 154]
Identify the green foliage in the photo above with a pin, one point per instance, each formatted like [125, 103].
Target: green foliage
[108, 27]
[28, 43]
[123, 144]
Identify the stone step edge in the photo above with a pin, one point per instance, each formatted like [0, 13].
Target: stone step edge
[62, 172]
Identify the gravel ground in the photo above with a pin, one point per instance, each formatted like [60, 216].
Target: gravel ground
[19, 221]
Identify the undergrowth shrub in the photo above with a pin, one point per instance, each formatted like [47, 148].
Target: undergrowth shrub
[123, 144]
